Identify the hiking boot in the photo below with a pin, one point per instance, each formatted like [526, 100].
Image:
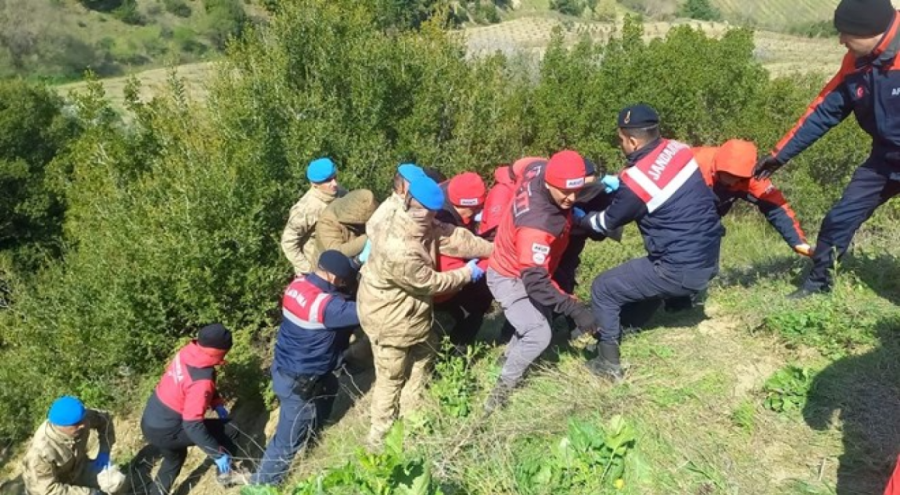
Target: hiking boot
[606, 364]
[804, 292]
[498, 398]
[236, 477]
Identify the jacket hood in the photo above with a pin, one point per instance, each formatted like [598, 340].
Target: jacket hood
[503, 175]
[355, 208]
[197, 356]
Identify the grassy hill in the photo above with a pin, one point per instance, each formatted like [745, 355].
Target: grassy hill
[777, 14]
[58, 39]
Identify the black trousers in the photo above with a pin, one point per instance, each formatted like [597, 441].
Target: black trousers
[467, 308]
[173, 445]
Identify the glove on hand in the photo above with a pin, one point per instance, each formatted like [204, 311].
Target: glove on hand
[224, 463]
[364, 255]
[765, 167]
[221, 411]
[611, 182]
[578, 213]
[101, 462]
[804, 250]
[477, 272]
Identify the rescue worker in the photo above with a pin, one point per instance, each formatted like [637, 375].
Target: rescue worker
[397, 285]
[867, 85]
[57, 462]
[533, 234]
[464, 198]
[496, 201]
[663, 190]
[342, 225]
[318, 320]
[728, 170]
[174, 418]
[298, 238]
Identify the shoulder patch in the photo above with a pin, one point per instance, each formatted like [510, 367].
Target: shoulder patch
[539, 252]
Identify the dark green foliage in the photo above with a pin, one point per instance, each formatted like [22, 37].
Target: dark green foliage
[128, 13]
[225, 19]
[102, 5]
[33, 131]
[786, 390]
[177, 7]
[700, 9]
[569, 7]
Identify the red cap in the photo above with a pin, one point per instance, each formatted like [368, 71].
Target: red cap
[565, 170]
[736, 157]
[466, 189]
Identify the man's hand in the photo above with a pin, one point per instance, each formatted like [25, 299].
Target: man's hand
[584, 319]
[578, 213]
[804, 250]
[221, 411]
[477, 272]
[364, 255]
[765, 167]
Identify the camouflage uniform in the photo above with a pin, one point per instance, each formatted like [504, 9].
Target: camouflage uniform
[342, 225]
[58, 464]
[395, 303]
[298, 238]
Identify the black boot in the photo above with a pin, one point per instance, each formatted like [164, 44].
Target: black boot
[607, 364]
[498, 398]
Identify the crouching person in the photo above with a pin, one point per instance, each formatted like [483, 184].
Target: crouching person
[174, 418]
[57, 461]
[318, 321]
[398, 283]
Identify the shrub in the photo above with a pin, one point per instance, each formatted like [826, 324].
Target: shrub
[700, 10]
[569, 7]
[177, 7]
[455, 384]
[224, 19]
[128, 13]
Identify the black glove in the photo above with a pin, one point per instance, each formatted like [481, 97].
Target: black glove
[765, 167]
[584, 319]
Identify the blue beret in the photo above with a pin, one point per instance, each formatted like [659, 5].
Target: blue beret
[426, 191]
[410, 171]
[66, 411]
[321, 170]
[638, 116]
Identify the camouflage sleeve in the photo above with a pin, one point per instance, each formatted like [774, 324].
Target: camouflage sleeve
[101, 422]
[354, 247]
[460, 243]
[415, 275]
[40, 477]
[295, 233]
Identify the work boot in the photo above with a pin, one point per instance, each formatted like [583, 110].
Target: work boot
[498, 398]
[606, 364]
[236, 477]
[804, 292]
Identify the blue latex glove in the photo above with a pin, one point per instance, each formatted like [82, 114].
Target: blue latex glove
[479, 216]
[611, 182]
[477, 272]
[102, 461]
[364, 255]
[578, 213]
[221, 411]
[224, 463]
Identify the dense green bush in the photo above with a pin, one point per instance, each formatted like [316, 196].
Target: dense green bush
[177, 7]
[569, 7]
[224, 19]
[700, 9]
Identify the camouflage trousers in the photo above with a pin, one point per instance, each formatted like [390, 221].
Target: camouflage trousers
[401, 374]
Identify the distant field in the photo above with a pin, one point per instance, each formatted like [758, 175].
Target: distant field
[776, 14]
[781, 54]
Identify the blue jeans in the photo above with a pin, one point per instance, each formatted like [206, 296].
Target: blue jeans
[298, 420]
[870, 187]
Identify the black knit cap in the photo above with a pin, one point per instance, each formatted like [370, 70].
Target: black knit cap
[215, 336]
[863, 17]
[335, 263]
[638, 117]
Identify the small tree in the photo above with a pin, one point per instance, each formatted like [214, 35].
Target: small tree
[700, 10]
[568, 7]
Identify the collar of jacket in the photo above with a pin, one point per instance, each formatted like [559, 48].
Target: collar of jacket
[636, 155]
[196, 356]
[322, 195]
[887, 48]
[322, 284]
[59, 437]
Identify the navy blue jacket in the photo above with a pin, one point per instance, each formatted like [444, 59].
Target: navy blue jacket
[681, 235]
[303, 351]
[870, 88]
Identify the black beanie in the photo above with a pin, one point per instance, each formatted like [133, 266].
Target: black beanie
[863, 17]
[335, 263]
[215, 336]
